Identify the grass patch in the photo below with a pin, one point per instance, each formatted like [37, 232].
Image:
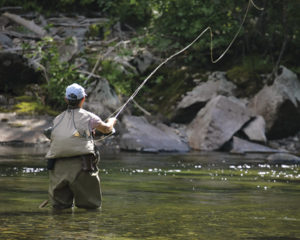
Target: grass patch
[24, 98]
[33, 108]
[4, 110]
[16, 125]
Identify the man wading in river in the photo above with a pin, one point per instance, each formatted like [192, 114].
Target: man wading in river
[72, 157]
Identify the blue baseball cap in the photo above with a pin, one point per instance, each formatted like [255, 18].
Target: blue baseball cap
[75, 92]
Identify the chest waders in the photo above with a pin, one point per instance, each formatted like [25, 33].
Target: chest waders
[74, 179]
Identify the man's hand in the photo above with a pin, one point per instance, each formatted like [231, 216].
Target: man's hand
[112, 121]
[108, 126]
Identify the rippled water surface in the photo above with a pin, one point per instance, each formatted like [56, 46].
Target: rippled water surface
[157, 196]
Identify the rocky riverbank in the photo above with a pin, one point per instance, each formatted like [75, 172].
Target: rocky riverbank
[213, 116]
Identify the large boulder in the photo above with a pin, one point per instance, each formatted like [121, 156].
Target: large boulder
[216, 123]
[279, 105]
[68, 48]
[140, 135]
[255, 130]
[188, 107]
[23, 130]
[102, 99]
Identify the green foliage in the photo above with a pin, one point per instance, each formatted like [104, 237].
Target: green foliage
[102, 30]
[24, 98]
[33, 108]
[165, 90]
[178, 22]
[4, 110]
[247, 75]
[136, 13]
[29, 105]
[113, 73]
[60, 74]
[133, 12]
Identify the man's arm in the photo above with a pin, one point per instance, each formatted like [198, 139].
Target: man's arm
[106, 127]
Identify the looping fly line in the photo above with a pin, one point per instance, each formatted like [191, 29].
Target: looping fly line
[184, 49]
[250, 2]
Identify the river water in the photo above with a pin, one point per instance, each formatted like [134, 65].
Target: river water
[156, 196]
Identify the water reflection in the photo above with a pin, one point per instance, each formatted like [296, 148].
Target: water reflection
[157, 196]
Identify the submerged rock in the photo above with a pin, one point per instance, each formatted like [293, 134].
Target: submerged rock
[283, 158]
[140, 135]
[216, 123]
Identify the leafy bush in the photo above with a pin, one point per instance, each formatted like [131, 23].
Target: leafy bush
[247, 75]
[29, 105]
[113, 73]
[59, 74]
[134, 12]
[181, 21]
[33, 107]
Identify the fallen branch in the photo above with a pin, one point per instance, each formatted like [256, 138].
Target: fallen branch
[9, 50]
[27, 24]
[100, 57]
[89, 73]
[141, 108]
[3, 9]
[19, 35]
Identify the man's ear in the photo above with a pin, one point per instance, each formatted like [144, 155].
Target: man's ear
[81, 102]
[66, 100]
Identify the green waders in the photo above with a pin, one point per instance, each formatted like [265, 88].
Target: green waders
[69, 182]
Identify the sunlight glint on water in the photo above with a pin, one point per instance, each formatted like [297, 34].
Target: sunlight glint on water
[158, 196]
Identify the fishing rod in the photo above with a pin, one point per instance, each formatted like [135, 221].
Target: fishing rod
[120, 109]
[250, 3]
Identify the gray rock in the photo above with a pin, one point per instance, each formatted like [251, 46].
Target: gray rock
[5, 41]
[3, 100]
[68, 49]
[143, 60]
[140, 135]
[216, 123]
[255, 130]
[101, 99]
[239, 145]
[283, 158]
[23, 130]
[279, 105]
[217, 84]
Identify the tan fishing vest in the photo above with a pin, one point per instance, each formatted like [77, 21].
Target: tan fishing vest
[71, 134]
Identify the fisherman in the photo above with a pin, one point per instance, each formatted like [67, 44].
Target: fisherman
[72, 157]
